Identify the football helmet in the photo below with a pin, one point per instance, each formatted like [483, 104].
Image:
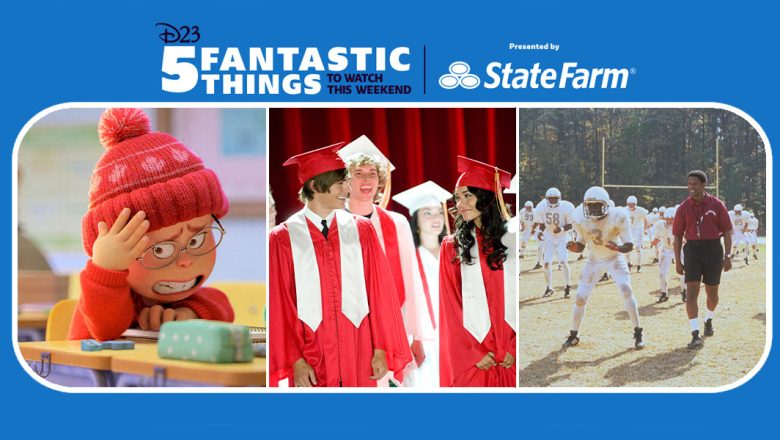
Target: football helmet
[529, 204]
[631, 200]
[595, 204]
[553, 192]
[738, 207]
[669, 213]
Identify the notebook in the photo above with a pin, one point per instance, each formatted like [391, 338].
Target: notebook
[257, 334]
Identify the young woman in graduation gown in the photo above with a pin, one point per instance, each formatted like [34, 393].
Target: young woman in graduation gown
[477, 284]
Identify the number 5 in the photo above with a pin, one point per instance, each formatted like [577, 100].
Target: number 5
[187, 73]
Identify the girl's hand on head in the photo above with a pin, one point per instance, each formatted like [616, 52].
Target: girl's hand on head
[118, 247]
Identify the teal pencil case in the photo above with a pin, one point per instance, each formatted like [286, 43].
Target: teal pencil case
[205, 341]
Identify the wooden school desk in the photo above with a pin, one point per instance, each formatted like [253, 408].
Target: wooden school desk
[144, 361]
[64, 363]
[139, 367]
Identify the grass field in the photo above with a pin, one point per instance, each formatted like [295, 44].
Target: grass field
[605, 356]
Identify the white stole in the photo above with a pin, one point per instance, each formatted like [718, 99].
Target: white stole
[476, 316]
[354, 299]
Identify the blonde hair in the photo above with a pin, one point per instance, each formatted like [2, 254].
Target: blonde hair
[361, 159]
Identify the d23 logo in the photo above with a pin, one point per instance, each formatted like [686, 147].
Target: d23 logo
[459, 76]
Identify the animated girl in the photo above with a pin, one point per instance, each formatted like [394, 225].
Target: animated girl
[151, 231]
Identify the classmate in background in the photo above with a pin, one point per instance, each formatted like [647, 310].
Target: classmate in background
[428, 220]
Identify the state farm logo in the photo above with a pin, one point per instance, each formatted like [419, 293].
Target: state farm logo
[459, 76]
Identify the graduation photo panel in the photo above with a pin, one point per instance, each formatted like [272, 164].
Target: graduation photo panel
[393, 262]
[140, 242]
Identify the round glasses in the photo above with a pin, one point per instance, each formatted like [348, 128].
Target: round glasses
[164, 253]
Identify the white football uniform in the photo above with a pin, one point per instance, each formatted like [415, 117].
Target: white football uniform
[637, 218]
[526, 219]
[663, 232]
[651, 219]
[739, 224]
[752, 231]
[595, 235]
[560, 215]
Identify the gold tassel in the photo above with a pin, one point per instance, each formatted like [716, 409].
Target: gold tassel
[500, 197]
[386, 190]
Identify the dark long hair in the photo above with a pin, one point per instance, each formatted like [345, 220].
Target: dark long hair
[414, 223]
[493, 228]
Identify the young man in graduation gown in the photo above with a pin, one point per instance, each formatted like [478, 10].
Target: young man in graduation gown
[334, 314]
[369, 170]
[477, 284]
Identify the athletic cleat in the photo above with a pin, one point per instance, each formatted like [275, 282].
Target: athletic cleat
[755, 256]
[630, 266]
[548, 293]
[604, 277]
[521, 257]
[747, 261]
[639, 269]
[696, 341]
[663, 298]
[638, 342]
[538, 266]
[559, 266]
[708, 331]
[572, 340]
[566, 291]
[581, 257]
[684, 295]
[655, 260]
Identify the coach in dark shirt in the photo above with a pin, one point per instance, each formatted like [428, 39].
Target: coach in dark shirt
[702, 219]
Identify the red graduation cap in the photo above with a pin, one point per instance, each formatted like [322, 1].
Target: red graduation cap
[481, 175]
[488, 177]
[315, 162]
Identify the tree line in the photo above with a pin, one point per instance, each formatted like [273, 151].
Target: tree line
[563, 148]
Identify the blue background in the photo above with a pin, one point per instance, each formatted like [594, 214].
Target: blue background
[110, 52]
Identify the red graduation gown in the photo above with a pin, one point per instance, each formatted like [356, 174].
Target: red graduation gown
[459, 350]
[339, 352]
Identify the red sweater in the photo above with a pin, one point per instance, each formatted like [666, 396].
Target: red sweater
[107, 307]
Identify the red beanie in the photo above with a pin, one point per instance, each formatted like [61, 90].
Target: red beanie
[150, 172]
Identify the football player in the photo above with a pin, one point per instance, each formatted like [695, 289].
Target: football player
[637, 216]
[752, 231]
[739, 222]
[607, 235]
[527, 228]
[652, 218]
[553, 217]
[664, 240]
